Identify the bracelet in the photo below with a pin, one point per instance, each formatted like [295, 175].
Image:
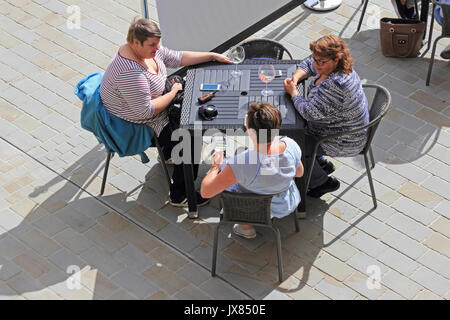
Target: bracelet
[212, 57]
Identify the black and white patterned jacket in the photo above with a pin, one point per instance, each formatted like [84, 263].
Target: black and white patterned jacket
[337, 104]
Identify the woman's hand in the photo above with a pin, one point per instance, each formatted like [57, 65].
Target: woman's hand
[163, 101]
[190, 58]
[176, 87]
[220, 58]
[290, 87]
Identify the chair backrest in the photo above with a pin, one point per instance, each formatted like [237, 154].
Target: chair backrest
[264, 48]
[378, 108]
[246, 208]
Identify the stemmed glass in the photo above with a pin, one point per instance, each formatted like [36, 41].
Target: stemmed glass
[236, 55]
[266, 74]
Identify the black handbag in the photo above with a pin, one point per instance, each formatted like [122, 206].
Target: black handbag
[174, 109]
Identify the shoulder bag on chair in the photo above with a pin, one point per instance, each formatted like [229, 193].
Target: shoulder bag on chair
[401, 37]
[174, 109]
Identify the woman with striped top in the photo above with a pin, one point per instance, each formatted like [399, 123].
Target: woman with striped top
[336, 102]
[133, 84]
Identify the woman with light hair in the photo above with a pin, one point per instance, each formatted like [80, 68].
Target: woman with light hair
[133, 86]
[335, 102]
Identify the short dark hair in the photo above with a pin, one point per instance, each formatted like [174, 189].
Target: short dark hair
[264, 118]
[141, 29]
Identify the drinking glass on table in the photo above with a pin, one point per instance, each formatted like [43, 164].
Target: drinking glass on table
[266, 74]
[236, 55]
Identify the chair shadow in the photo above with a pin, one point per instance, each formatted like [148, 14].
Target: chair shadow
[305, 248]
[407, 150]
[255, 262]
[77, 204]
[358, 10]
[280, 32]
[56, 205]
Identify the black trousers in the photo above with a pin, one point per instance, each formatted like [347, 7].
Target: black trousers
[424, 10]
[177, 189]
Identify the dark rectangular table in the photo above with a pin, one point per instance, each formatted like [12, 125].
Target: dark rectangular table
[232, 103]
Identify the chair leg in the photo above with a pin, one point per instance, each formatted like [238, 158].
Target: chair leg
[105, 171]
[430, 66]
[280, 264]
[310, 169]
[430, 33]
[162, 159]
[214, 260]
[372, 159]
[369, 176]
[362, 15]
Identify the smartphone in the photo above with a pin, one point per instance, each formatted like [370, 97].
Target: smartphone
[210, 87]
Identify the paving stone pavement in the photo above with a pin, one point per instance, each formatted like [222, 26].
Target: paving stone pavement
[127, 244]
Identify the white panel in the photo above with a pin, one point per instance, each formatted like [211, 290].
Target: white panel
[202, 25]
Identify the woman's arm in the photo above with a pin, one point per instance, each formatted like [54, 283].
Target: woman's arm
[307, 65]
[305, 70]
[162, 102]
[134, 88]
[190, 57]
[215, 182]
[300, 170]
[320, 105]
[299, 75]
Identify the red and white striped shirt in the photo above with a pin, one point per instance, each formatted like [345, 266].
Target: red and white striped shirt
[127, 88]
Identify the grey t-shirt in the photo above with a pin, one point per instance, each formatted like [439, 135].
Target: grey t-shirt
[269, 174]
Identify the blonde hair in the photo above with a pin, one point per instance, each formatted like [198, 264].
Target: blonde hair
[141, 29]
[333, 47]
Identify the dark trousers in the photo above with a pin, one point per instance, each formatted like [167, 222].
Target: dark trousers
[424, 11]
[406, 13]
[318, 175]
[177, 189]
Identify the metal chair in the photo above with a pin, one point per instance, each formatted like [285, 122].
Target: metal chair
[378, 109]
[248, 208]
[445, 33]
[366, 2]
[264, 48]
[162, 160]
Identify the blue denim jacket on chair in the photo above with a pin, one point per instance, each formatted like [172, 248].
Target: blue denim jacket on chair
[118, 135]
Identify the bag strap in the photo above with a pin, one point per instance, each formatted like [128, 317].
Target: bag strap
[412, 42]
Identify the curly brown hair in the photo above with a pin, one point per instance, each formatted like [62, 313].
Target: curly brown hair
[265, 119]
[333, 47]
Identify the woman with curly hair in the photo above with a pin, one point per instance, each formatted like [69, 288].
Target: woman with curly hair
[335, 102]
